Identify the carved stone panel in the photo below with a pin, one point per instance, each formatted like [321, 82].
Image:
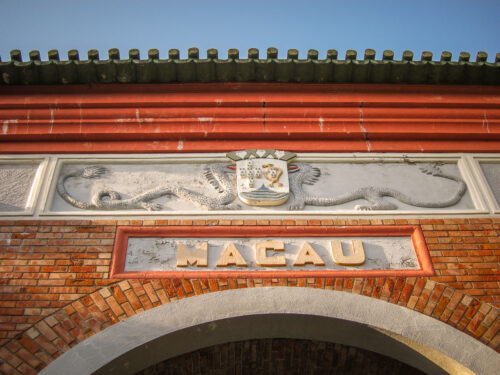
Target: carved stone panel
[17, 180]
[302, 185]
[491, 172]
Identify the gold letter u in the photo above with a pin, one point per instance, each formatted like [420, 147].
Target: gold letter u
[355, 259]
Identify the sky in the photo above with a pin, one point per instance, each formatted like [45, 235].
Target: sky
[423, 25]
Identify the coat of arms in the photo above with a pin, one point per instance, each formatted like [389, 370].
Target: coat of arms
[262, 176]
[262, 180]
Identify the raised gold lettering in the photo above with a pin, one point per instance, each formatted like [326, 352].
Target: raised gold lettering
[198, 257]
[307, 255]
[357, 257]
[231, 257]
[261, 257]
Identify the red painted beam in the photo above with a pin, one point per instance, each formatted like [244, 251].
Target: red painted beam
[226, 146]
[222, 117]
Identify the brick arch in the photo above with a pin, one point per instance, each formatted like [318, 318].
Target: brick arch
[55, 334]
[333, 316]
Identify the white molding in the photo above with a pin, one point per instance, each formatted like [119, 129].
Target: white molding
[473, 186]
[47, 194]
[467, 164]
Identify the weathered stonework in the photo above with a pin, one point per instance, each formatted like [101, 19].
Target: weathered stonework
[17, 185]
[326, 186]
[492, 173]
[161, 254]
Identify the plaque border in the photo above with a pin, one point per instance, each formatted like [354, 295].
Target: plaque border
[123, 233]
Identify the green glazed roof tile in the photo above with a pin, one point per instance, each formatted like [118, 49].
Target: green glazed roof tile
[312, 69]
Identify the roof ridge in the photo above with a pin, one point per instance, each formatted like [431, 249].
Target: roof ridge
[291, 69]
[253, 53]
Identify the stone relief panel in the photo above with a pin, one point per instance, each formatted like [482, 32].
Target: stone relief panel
[259, 180]
[16, 187]
[491, 171]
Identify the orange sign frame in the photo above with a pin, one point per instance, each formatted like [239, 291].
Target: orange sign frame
[125, 232]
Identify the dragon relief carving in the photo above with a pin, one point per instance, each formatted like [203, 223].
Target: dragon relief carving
[216, 175]
[222, 179]
[306, 174]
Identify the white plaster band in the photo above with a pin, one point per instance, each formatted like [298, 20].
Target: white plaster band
[191, 185]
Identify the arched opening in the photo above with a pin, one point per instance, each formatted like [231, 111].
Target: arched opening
[281, 356]
[285, 313]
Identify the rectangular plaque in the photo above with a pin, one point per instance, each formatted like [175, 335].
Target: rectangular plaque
[269, 252]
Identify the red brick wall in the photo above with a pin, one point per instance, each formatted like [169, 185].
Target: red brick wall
[55, 291]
